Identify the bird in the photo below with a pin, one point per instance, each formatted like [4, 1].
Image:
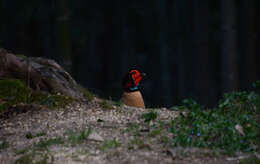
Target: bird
[131, 93]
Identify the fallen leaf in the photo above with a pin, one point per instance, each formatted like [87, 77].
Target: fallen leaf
[239, 128]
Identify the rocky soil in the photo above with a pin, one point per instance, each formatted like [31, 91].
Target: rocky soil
[97, 133]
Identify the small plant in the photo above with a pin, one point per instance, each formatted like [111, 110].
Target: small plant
[117, 103]
[31, 158]
[164, 139]
[43, 144]
[88, 94]
[4, 144]
[25, 159]
[29, 135]
[133, 127]
[23, 151]
[106, 104]
[50, 100]
[155, 132]
[138, 142]
[109, 144]
[191, 104]
[251, 160]
[80, 137]
[256, 84]
[149, 116]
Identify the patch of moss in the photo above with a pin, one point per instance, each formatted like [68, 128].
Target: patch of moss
[251, 160]
[30, 159]
[21, 55]
[43, 144]
[23, 151]
[25, 159]
[4, 144]
[109, 144]
[164, 139]
[51, 101]
[106, 105]
[14, 91]
[117, 103]
[29, 135]
[155, 132]
[134, 128]
[139, 143]
[89, 95]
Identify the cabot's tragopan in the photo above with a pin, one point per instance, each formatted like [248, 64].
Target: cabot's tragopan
[132, 95]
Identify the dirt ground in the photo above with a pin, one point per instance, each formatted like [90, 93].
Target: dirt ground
[97, 133]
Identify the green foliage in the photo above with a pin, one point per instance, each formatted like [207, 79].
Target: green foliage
[149, 116]
[109, 144]
[216, 128]
[79, 137]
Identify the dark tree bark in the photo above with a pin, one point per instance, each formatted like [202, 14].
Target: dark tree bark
[164, 88]
[204, 85]
[257, 36]
[247, 43]
[229, 67]
[64, 42]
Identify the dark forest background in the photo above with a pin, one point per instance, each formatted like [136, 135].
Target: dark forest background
[196, 49]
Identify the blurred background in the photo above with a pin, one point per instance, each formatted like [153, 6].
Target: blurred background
[196, 49]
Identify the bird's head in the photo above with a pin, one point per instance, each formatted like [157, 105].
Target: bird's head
[131, 80]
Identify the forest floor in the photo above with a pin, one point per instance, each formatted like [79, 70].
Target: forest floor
[98, 133]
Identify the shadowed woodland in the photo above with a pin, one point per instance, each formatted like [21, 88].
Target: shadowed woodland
[196, 49]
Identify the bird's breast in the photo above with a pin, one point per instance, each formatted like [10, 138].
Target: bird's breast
[134, 99]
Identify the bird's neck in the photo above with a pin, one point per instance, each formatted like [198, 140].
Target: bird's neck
[132, 89]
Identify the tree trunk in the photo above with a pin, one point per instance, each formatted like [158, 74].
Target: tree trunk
[164, 88]
[247, 43]
[229, 67]
[181, 28]
[64, 42]
[204, 86]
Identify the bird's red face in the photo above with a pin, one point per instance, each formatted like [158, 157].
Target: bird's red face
[132, 79]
